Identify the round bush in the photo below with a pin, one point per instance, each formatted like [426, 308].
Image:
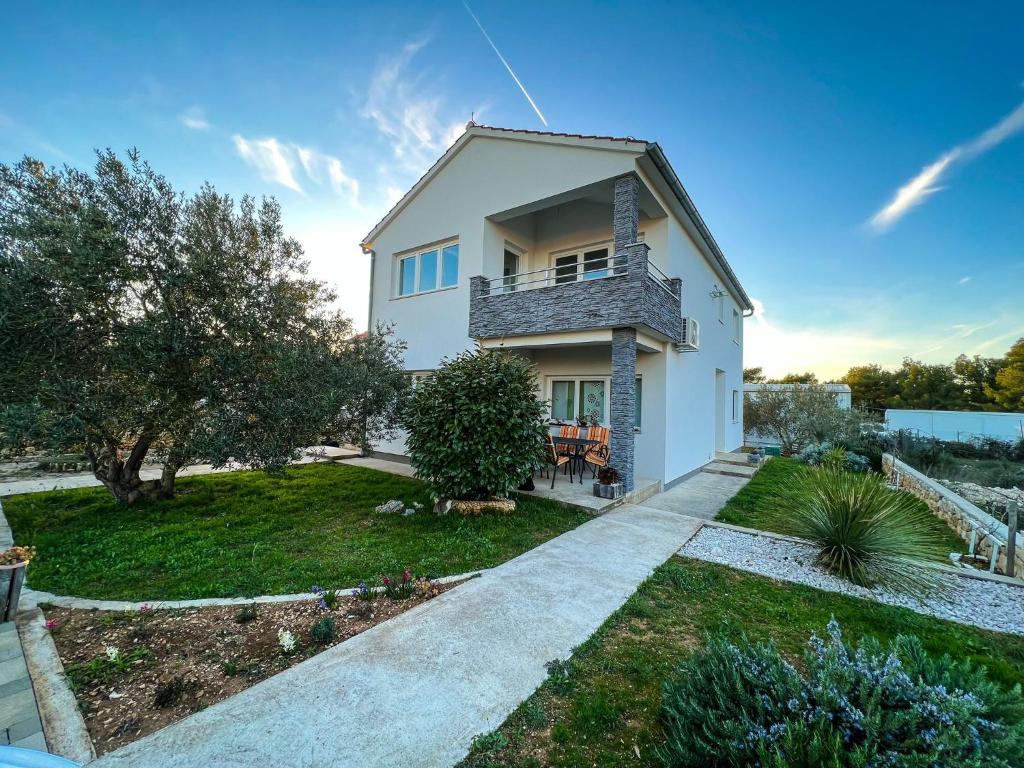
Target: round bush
[475, 426]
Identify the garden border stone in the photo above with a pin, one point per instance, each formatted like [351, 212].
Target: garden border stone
[63, 725]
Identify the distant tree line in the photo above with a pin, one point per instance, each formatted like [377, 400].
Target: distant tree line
[967, 384]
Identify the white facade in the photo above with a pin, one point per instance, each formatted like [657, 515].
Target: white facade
[962, 426]
[548, 199]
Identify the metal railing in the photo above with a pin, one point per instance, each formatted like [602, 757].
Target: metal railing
[660, 278]
[572, 273]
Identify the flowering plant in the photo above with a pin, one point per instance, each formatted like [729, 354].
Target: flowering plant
[16, 555]
[51, 625]
[146, 609]
[113, 653]
[286, 640]
[398, 588]
[874, 704]
[328, 597]
[363, 592]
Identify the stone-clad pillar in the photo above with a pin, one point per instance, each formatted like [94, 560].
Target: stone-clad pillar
[623, 403]
[626, 214]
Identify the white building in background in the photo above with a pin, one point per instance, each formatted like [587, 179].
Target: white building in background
[586, 255]
[842, 393]
[962, 426]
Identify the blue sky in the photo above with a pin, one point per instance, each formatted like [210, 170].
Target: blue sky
[862, 167]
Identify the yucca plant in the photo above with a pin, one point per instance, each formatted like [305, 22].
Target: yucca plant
[867, 533]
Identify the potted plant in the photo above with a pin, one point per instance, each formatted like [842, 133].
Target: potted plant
[608, 484]
[13, 563]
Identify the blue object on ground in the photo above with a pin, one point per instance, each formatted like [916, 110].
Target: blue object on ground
[16, 757]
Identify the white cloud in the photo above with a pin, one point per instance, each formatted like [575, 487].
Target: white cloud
[195, 119]
[964, 280]
[926, 183]
[274, 161]
[408, 112]
[282, 162]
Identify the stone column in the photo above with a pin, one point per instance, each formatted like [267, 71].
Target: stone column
[623, 403]
[626, 214]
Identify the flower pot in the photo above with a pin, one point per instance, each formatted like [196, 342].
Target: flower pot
[609, 491]
[12, 577]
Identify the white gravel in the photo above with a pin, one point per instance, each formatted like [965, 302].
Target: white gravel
[986, 604]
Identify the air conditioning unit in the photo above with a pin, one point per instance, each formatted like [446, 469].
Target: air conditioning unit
[691, 336]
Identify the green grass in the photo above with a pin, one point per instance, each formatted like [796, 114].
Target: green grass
[754, 505]
[250, 533]
[607, 712]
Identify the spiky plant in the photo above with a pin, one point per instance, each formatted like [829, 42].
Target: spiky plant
[867, 533]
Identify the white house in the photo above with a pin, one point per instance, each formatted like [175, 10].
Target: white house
[586, 255]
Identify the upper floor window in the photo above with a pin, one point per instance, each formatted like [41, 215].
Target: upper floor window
[736, 325]
[583, 264]
[429, 270]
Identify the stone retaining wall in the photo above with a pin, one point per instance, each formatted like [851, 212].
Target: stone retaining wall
[961, 515]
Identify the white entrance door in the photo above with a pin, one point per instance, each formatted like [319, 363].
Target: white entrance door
[719, 410]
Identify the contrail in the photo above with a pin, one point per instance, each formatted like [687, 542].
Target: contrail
[509, 68]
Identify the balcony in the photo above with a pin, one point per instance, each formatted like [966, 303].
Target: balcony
[625, 290]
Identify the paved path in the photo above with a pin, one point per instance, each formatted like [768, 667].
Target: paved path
[699, 496]
[414, 690]
[54, 482]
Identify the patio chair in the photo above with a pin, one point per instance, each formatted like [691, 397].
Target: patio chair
[554, 459]
[598, 455]
[568, 431]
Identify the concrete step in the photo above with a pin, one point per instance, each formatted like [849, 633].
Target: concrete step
[732, 458]
[730, 469]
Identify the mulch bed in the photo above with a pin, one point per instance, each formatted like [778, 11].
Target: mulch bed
[172, 663]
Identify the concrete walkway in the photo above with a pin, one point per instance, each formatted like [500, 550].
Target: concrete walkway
[699, 496]
[61, 482]
[414, 690]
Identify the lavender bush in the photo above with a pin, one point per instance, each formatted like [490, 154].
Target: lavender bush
[743, 704]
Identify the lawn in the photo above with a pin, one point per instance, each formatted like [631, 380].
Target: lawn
[606, 710]
[774, 485]
[250, 533]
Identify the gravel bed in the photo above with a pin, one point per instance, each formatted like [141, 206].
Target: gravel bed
[985, 604]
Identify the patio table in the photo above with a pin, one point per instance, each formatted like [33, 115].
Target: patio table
[577, 449]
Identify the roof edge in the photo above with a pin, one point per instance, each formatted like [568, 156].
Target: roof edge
[657, 155]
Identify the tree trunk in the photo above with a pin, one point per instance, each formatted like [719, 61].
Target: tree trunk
[121, 475]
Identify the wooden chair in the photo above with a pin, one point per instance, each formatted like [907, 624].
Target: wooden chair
[555, 460]
[568, 431]
[598, 455]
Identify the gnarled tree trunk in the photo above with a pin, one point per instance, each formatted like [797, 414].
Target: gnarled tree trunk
[121, 475]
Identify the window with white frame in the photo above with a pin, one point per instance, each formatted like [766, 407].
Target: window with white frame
[736, 326]
[584, 263]
[735, 405]
[428, 270]
[720, 298]
[573, 398]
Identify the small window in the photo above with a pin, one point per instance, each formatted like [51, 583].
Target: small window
[736, 325]
[720, 298]
[407, 276]
[735, 405]
[563, 399]
[565, 269]
[595, 264]
[450, 266]
[427, 271]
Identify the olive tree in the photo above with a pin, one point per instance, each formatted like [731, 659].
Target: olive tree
[137, 320]
[797, 416]
[475, 428]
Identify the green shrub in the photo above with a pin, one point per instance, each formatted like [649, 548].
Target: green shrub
[323, 631]
[474, 426]
[836, 457]
[866, 533]
[742, 704]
